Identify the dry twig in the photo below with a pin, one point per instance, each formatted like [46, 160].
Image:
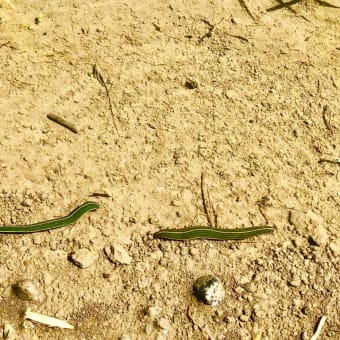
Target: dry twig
[101, 81]
[245, 7]
[211, 29]
[284, 5]
[326, 4]
[208, 207]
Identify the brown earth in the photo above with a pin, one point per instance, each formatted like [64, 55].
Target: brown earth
[262, 123]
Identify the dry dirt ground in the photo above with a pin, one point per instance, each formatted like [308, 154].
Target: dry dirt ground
[247, 96]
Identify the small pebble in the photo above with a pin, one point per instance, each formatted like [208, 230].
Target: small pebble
[230, 94]
[230, 319]
[124, 337]
[295, 283]
[193, 251]
[116, 253]
[149, 327]
[28, 290]
[297, 219]
[163, 324]
[152, 312]
[83, 258]
[318, 236]
[297, 242]
[239, 290]
[244, 318]
[259, 262]
[192, 84]
[27, 202]
[305, 336]
[175, 203]
[334, 246]
[209, 290]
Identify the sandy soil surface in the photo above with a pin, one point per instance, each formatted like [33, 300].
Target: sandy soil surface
[246, 95]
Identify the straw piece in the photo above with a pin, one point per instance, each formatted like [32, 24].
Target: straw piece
[47, 320]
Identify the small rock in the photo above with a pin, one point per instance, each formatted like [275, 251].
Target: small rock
[334, 246]
[305, 336]
[295, 283]
[175, 203]
[314, 218]
[230, 94]
[83, 258]
[148, 329]
[298, 242]
[260, 262]
[152, 312]
[27, 202]
[193, 251]
[239, 290]
[306, 310]
[318, 236]
[28, 290]
[209, 290]
[124, 337]
[117, 253]
[192, 83]
[132, 219]
[246, 278]
[297, 219]
[163, 324]
[244, 318]
[230, 319]
[297, 302]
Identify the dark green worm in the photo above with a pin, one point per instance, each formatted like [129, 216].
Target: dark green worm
[71, 218]
[198, 232]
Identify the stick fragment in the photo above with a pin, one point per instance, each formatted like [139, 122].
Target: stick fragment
[97, 74]
[204, 202]
[47, 320]
[319, 327]
[246, 8]
[62, 121]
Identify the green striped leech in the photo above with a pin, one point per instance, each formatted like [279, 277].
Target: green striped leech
[71, 218]
[198, 232]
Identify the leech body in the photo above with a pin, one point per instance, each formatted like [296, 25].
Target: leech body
[198, 232]
[71, 218]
